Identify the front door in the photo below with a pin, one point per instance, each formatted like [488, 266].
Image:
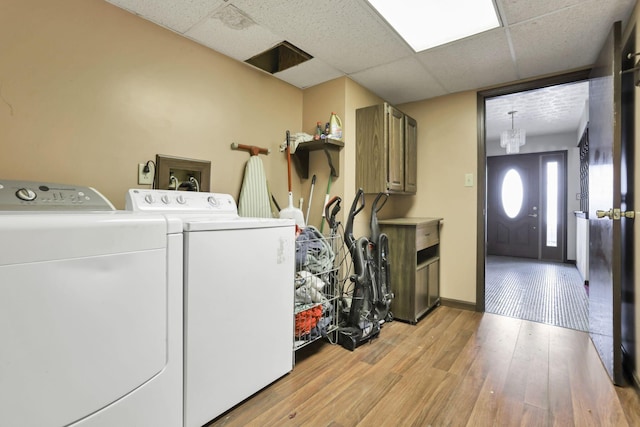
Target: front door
[526, 209]
[605, 163]
[513, 195]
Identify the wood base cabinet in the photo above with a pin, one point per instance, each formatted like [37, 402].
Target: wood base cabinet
[414, 255]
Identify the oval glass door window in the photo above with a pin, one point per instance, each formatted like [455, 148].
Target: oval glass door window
[512, 193]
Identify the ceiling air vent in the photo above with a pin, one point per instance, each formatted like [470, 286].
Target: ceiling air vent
[280, 57]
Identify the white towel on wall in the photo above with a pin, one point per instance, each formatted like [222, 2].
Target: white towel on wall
[254, 198]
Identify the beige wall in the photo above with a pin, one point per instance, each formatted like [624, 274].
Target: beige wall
[447, 150]
[88, 91]
[318, 104]
[358, 97]
[342, 96]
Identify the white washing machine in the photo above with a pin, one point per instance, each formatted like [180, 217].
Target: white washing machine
[238, 295]
[90, 311]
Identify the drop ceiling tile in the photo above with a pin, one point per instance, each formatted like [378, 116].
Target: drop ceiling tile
[309, 73]
[540, 51]
[349, 36]
[471, 63]
[238, 43]
[401, 81]
[515, 11]
[178, 15]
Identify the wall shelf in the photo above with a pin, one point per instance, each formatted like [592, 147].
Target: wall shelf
[331, 148]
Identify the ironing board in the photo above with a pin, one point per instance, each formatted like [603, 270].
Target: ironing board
[254, 200]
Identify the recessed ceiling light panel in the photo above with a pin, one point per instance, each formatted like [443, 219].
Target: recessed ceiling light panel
[424, 24]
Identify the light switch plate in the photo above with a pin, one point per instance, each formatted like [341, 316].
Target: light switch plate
[468, 180]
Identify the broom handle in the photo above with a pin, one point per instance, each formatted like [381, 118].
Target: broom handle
[288, 162]
[326, 201]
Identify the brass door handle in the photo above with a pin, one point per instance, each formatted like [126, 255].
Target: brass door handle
[616, 214]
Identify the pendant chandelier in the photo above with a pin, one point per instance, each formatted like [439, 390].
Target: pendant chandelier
[512, 139]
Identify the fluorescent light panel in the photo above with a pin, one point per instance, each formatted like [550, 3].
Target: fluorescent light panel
[428, 23]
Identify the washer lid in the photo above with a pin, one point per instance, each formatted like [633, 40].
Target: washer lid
[239, 223]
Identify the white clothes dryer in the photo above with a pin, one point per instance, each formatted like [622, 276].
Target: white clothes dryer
[90, 311]
[238, 296]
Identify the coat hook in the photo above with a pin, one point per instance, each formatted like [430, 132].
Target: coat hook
[250, 148]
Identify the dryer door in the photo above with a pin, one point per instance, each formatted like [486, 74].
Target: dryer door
[78, 332]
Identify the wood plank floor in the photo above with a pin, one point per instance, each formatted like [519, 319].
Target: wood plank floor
[454, 368]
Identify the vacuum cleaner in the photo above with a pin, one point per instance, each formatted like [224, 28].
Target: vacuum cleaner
[361, 322]
[379, 256]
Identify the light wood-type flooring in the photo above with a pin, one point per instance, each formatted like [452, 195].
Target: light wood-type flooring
[454, 368]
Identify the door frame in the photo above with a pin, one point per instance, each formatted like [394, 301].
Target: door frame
[580, 75]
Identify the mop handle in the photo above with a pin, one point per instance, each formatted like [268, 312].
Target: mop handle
[326, 196]
[326, 200]
[313, 184]
[288, 163]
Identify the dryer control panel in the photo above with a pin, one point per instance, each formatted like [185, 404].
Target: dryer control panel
[47, 196]
[141, 200]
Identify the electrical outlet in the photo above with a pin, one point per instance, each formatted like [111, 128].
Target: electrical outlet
[145, 178]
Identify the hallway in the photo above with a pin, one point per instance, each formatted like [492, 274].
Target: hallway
[539, 291]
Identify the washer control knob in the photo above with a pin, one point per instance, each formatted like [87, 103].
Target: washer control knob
[180, 199]
[26, 194]
[212, 200]
[165, 199]
[149, 199]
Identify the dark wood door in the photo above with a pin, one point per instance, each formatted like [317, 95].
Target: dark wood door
[513, 231]
[627, 176]
[604, 194]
